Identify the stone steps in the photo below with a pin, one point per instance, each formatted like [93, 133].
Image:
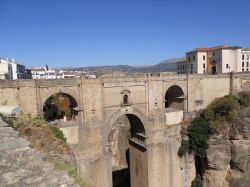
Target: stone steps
[21, 165]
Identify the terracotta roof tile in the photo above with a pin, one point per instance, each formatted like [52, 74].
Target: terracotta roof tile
[213, 48]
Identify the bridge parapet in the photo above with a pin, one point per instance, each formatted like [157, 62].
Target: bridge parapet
[17, 83]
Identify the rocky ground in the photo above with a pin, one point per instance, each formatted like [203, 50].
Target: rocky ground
[21, 165]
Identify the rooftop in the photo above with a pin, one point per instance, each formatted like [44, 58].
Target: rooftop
[245, 49]
[213, 48]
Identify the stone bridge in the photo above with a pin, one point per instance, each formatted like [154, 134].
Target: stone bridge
[128, 126]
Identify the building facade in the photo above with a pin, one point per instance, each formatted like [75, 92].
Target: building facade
[245, 59]
[9, 69]
[219, 59]
[181, 67]
[5, 69]
[49, 73]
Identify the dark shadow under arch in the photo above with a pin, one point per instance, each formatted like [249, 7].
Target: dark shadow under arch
[174, 98]
[128, 130]
[60, 105]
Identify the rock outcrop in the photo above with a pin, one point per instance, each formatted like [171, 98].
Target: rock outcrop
[228, 155]
[21, 165]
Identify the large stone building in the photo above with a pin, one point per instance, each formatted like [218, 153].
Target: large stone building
[214, 60]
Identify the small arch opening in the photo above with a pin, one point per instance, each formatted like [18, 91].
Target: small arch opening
[60, 106]
[174, 98]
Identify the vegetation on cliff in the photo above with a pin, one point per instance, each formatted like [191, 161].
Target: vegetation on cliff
[198, 134]
[209, 122]
[213, 119]
[244, 98]
[221, 110]
[50, 140]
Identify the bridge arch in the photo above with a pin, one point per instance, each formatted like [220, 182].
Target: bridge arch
[127, 142]
[127, 111]
[60, 105]
[175, 97]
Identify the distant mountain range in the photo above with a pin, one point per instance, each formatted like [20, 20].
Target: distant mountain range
[165, 65]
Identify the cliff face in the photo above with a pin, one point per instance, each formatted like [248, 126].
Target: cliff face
[228, 155]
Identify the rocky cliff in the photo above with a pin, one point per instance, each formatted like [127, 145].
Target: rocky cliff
[228, 155]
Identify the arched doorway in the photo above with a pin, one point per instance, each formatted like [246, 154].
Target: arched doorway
[60, 106]
[128, 150]
[214, 70]
[174, 98]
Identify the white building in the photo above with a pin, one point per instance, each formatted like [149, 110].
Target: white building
[181, 67]
[9, 69]
[47, 73]
[43, 73]
[5, 69]
[197, 61]
[219, 59]
[245, 59]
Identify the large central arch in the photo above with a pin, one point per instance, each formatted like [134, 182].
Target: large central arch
[127, 140]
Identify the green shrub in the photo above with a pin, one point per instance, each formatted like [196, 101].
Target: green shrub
[184, 148]
[225, 108]
[57, 132]
[38, 121]
[197, 182]
[244, 98]
[198, 134]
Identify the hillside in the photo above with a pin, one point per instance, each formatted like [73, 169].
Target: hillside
[165, 65]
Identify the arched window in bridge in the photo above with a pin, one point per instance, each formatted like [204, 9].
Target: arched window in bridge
[125, 99]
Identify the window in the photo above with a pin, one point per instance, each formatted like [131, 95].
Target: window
[227, 66]
[243, 57]
[125, 99]
[204, 58]
[191, 72]
[178, 67]
[204, 66]
[242, 64]
[247, 57]
[193, 58]
[183, 67]
[247, 64]
[247, 69]
[242, 69]
[191, 66]
[189, 59]
[213, 53]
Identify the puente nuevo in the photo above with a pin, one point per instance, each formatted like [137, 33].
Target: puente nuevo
[129, 122]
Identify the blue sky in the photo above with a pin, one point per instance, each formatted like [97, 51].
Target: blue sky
[106, 32]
